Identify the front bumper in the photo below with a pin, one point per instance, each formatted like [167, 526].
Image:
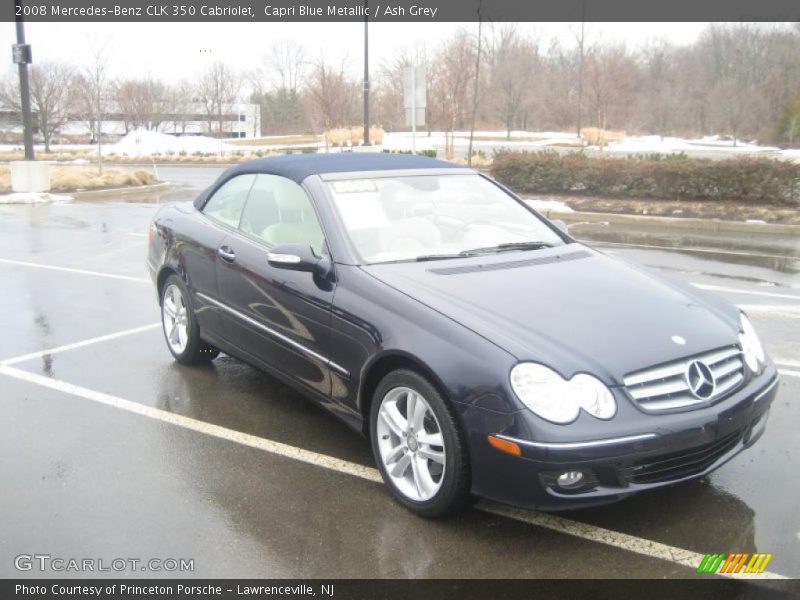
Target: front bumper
[658, 450]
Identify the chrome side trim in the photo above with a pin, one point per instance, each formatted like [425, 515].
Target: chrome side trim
[766, 390]
[276, 334]
[575, 445]
[286, 259]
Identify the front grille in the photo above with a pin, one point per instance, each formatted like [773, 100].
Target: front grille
[664, 387]
[686, 463]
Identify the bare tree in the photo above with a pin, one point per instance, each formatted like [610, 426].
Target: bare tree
[580, 38]
[179, 99]
[50, 87]
[388, 94]
[333, 94]
[218, 88]
[285, 65]
[476, 83]
[738, 79]
[736, 60]
[513, 62]
[142, 102]
[277, 84]
[92, 92]
[659, 88]
[611, 74]
[452, 72]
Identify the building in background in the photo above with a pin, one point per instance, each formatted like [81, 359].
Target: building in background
[238, 120]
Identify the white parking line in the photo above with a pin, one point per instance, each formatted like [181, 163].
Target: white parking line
[718, 288]
[245, 439]
[789, 373]
[593, 533]
[21, 263]
[689, 249]
[789, 308]
[623, 541]
[103, 338]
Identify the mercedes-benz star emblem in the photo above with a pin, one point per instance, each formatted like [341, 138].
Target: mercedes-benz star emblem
[700, 380]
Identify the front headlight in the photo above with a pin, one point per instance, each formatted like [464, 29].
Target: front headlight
[752, 349]
[553, 398]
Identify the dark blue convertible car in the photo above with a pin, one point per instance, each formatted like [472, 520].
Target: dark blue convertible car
[481, 349]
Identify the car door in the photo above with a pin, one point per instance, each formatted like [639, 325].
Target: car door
[279, 317]
[199, 248]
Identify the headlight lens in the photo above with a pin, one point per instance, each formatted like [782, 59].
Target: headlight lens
[752, 349]
[553, 398]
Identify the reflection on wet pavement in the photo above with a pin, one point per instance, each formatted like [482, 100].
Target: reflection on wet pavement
[89, 478]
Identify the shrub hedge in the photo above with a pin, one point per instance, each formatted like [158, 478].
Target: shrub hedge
[757, 180]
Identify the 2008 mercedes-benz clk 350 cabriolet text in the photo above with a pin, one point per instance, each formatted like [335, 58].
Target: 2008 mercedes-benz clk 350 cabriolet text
[480, 348]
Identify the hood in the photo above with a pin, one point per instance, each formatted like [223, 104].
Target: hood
[571, 308]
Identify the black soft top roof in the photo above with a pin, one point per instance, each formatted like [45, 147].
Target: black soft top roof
[299, 166]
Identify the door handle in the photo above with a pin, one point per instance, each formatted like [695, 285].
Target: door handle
[226, 253]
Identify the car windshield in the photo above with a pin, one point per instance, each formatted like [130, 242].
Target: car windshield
[427, 217]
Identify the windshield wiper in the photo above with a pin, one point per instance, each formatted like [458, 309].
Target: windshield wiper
[508, 246]
[426, 257]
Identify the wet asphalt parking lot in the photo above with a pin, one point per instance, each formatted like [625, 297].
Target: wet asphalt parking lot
[110, 449]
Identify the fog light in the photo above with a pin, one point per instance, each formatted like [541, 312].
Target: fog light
[570, 480]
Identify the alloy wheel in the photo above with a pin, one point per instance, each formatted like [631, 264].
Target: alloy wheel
[175, 319]
[411, 444]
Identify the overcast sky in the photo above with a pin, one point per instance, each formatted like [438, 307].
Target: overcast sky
[176, 51]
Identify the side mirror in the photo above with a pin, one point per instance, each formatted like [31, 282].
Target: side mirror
[299, 257]
[560, 224]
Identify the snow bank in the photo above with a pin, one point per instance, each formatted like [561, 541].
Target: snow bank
[647, 144]
[34, 198]
[148, 143]
[546, 205]
[401, 140]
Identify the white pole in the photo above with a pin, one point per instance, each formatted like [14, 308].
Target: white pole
[414, 109]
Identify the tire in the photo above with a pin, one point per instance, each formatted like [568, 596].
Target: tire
[179, 324]
[427, 473]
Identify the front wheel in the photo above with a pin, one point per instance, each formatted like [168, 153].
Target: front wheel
[181, 331]
[418, 446]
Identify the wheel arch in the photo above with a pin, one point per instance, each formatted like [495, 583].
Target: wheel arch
[163, 274]
[384, 364]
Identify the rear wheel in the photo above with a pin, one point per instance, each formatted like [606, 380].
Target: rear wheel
[179, 324]
[418, 446]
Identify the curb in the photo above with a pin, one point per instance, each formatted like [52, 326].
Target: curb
[126, 190]
[685, 223]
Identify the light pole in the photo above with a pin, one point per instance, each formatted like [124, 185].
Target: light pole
[22, 56]
[580, 68]
[366, 73]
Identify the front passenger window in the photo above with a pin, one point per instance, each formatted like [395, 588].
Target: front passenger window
[227, 203]
[278, 211]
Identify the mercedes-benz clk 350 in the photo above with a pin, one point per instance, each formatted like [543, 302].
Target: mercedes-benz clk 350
[481, 349]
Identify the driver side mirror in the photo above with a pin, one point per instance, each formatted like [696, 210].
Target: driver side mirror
[560, 224]
[299, 257]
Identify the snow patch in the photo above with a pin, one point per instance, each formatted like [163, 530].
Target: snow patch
[34, 198]
[648, 144]
[545, 205]
[142, 142]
